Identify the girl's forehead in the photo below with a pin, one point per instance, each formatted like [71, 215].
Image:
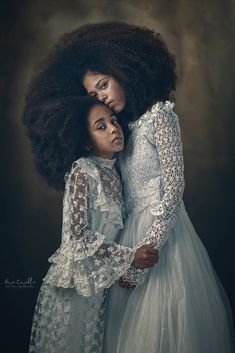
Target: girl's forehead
[98, 110]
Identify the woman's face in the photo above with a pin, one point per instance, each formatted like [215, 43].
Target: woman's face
[106, 89]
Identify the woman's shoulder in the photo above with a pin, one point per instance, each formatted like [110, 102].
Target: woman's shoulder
[167, 107]
[158, 110]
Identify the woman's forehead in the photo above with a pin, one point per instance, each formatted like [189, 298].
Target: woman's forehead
[91, 79]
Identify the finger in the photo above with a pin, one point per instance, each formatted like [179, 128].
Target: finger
[126, 285]
[152, 258]
[151, 251]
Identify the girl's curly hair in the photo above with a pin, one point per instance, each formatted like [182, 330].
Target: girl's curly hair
[58, 131]
[136, 56]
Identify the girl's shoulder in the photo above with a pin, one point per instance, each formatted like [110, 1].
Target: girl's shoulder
[83, 166]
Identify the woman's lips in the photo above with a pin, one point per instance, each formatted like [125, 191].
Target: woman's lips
[110, 105]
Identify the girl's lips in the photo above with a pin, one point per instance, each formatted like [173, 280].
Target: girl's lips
[117, 138]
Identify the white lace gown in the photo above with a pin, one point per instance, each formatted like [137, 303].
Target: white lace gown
[179, 305]
[69, 313]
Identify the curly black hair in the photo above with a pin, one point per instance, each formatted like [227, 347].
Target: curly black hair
[136, 56]
[59, 133]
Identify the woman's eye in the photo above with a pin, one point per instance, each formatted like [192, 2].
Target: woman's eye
[104, 85]
[101, 127]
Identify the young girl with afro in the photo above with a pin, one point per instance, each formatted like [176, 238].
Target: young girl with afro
[179, 305]
[75, 142]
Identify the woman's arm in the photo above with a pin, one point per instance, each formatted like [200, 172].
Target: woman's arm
[168, 143]
[169, 146]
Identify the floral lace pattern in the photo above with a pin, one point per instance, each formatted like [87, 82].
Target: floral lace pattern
[168, 141]
[86, 259]
[154, 153]
[87, 262]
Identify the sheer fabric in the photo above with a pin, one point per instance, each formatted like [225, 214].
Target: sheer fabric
[179, 305]
[69, 313]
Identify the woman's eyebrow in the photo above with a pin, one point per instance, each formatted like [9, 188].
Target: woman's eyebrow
[97, 84]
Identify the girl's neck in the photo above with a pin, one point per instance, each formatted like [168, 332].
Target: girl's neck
[103, 162]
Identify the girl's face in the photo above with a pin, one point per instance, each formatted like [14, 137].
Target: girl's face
[106, 136]
[106, 89]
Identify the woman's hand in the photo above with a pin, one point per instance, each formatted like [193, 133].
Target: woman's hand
[146, 256]
[125, 284]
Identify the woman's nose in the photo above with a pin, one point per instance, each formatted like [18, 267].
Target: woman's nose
[102, 97]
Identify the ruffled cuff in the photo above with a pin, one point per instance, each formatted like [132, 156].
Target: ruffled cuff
[88, 271]
[135, 276]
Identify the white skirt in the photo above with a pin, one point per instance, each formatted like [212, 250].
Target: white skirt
[65, 322]
[180, 308]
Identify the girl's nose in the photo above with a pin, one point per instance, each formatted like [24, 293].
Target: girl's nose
[113, 128]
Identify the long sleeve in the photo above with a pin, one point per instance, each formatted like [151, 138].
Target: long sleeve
[169, 147]
[168, 143]
[87, 260]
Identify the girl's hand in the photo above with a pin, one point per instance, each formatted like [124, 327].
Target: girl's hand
[125, 284]
[146, 256]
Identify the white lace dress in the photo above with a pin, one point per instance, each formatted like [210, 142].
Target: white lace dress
[69, 313]
[179, 305]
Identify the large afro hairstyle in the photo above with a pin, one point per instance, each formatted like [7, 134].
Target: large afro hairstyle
[136, 56]
[59, 135]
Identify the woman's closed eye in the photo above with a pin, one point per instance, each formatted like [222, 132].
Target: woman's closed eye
[103, 85]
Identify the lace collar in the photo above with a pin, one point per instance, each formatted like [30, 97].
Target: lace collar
[106, 163]
[155, 108]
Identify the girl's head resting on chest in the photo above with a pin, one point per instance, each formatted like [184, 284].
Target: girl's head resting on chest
[69, 129]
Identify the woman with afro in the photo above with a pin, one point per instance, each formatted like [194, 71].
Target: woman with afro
[179, 305]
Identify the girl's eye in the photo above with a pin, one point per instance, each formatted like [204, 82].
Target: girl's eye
[115, 122]
[101, 127]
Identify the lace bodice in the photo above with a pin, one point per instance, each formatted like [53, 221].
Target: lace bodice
[89, 259]
[153, 171]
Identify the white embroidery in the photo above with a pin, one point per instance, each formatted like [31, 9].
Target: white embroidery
[154, 153]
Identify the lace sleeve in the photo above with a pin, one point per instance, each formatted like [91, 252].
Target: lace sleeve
[168, 142]
[169, 147]
[87, 260]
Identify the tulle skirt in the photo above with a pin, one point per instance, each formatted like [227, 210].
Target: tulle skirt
[180, 308]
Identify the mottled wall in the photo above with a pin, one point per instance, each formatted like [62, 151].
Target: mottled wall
[201, 34]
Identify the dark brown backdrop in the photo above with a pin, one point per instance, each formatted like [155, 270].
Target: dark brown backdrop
[201, 34]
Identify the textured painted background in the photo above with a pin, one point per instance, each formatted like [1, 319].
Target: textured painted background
[201, 34]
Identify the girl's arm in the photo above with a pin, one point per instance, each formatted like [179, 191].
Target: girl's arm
[168, 142]
[87, 261]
